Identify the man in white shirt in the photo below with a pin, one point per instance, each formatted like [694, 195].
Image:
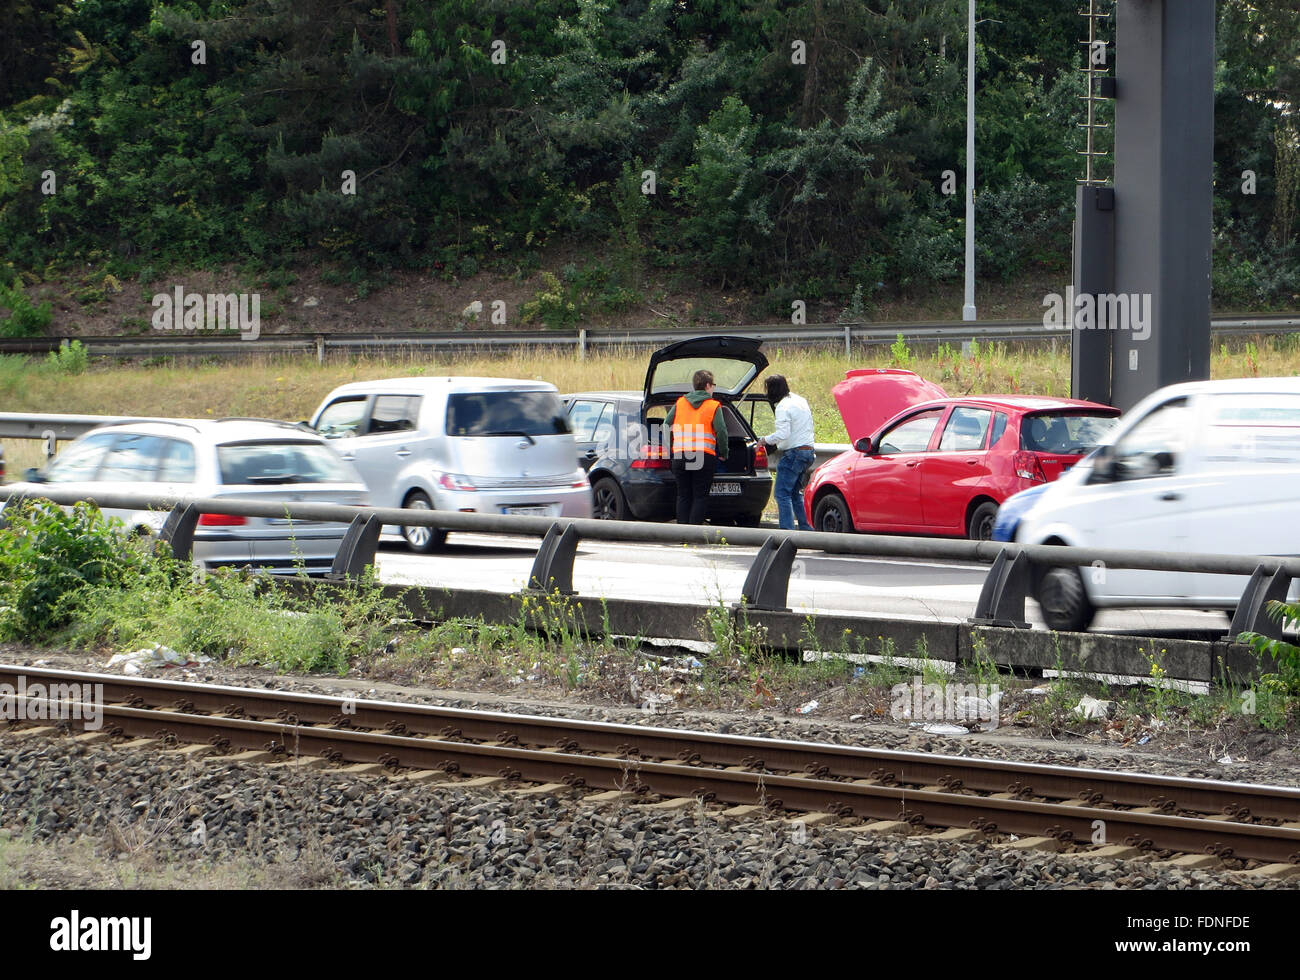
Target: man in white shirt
[794, 438]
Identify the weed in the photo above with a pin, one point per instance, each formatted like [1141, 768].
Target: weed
[70, 358]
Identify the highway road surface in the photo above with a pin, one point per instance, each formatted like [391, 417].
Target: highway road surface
[923, 589]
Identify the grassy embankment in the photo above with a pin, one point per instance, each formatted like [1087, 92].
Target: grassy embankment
[291, 388]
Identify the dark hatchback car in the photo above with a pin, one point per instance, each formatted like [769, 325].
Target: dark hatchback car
[622, 445]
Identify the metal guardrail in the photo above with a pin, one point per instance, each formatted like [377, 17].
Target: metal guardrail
[1001, 603]
[594, 338]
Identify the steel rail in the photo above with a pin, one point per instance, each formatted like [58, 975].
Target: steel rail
[208, 345]
[863, 799]
[1242, 801]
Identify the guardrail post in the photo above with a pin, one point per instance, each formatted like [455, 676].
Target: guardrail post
[553, 568]
[582, 343]
[320, 349]
[178, 530]
[1252, 612]
[768, 580]
[15, 502]
[357, 549]
[1002, 599]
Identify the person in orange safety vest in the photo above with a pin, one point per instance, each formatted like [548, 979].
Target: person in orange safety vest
[699, 440]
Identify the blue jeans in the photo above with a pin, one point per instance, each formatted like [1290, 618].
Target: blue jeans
[789, 503]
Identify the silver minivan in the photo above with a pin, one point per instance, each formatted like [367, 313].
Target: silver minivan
[473, 445]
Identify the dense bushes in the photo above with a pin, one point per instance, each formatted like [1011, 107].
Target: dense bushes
[793, 147]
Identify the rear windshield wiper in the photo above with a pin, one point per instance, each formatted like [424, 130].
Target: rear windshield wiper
[513, 432]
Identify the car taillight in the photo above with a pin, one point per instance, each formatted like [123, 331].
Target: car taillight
[652, 458]
[1028, 468]
[222, 520]
[760, 457]
[454, 481]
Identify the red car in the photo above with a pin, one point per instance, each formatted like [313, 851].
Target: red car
[925, 463]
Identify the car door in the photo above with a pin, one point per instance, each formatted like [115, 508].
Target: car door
[1142, 504]
[592, 423]
[952, 474]
[386, 444]
[885, 486]
[1245, 502]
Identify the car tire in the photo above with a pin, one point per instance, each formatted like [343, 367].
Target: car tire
[832, 515]
[982, 519]
[608, 502]
[422, 540]
[1064, 600]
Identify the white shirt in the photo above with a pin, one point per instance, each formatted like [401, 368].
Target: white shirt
[794, 424]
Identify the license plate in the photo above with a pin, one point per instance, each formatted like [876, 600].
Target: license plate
[539, 511]
[725, 490]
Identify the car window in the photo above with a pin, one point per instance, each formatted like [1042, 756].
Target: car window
[911, 435]
[605, 426]
[133, 457]
[281, 462]
[1154, 446]
[584, 417]
[342, 418]
[965, 429]
[1064, 432]
[999, 427]
[506, 413]
[395, 413]
[80, 461]
[177, 462]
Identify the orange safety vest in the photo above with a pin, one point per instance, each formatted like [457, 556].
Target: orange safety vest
[693, 428]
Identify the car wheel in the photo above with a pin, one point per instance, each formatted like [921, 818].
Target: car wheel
[607, 500]
[1064, 600]
[980, 525]
[832, 515]
[419, 538]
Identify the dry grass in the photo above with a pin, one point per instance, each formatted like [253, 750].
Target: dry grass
[291, 389]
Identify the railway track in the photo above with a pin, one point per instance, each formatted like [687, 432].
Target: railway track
[1152, 813]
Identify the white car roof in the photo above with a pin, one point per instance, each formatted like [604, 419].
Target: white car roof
[214, 430]
[422, 386]
[1242, 386]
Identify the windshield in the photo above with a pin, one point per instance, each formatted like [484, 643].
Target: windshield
[506, 413]
[281, 462]
[1064, 433]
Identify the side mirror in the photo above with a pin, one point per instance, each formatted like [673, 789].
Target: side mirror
[1103, 468]
[33, 475]
[1164, 461]
[865, 445]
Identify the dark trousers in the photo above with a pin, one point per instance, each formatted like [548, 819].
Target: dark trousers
[694, 477]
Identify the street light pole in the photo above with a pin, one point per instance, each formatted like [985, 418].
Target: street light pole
[968, 310]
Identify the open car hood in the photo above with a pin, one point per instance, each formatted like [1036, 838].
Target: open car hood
[870, 397]
[734, 361]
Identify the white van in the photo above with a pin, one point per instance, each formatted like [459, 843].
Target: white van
[474, 445]
[1209, 466]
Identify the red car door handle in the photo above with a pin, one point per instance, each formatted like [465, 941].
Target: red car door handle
[915, 462]
[971, 462]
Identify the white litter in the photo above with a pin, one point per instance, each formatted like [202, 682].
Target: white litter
[1041, 691]
[1090, 709]
[940, 728]
[155, 656]
[1226, 760]
[808, 707]
[457, 651]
